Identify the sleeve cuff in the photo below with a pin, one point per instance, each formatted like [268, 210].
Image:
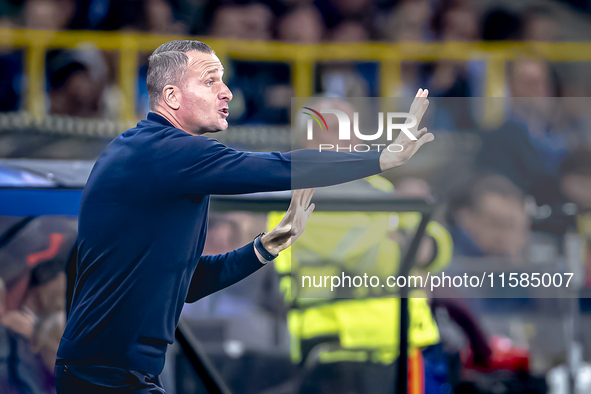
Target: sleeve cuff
[249, 255]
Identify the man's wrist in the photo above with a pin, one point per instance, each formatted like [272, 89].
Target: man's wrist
[264, 250]
[386, 160]
[382, 161]
[259, 257]
[268, 244]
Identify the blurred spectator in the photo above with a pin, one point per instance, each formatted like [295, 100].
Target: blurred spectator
[160, 18]
[36, 329]
[456, 23]
[45, 297]
[500, 24]
[302, 25]
[9, 11]
[32, 310]
[531, 77]
[120, 14]
[534, 138]
[11, 66]
[487, 217]
[409, 21]
[223, 233]
[113, 15]
[348, 79]
[451, 78]
[48, 14]
[539, 24]
[227, 22]
[349, 31]
[262, 91]
[90, 14]
[336, 11]
[539, 110]
[76, 84]
[251, 21]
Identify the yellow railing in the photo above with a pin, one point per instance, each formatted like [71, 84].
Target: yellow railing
[302, 58]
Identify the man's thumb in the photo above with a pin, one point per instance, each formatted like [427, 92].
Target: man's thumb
[310, 210]
[425, 138]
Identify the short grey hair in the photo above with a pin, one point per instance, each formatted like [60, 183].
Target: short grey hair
[167, 65]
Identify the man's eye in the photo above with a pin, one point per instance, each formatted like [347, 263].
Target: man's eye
[210, 82]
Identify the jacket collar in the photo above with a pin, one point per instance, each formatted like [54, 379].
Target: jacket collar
[154, 117]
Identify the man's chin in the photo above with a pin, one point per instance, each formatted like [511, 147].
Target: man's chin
[221, 126]
[215, 128]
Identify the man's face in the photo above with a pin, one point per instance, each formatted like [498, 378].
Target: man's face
[499, 225]
[204, 96]
[530, 79]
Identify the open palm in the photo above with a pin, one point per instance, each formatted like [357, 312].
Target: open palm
[398, 156]
[293, 223]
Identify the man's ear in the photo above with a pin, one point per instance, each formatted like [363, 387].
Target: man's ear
[170, 96]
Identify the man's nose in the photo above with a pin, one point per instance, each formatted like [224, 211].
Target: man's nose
[225, 93]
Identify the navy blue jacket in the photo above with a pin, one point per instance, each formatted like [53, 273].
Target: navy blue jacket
[142, 226]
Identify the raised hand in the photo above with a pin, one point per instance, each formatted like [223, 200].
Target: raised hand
[293, 223]
[390, 159]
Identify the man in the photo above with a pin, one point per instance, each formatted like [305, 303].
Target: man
[536, 135]
[143, 221]
[488, 218]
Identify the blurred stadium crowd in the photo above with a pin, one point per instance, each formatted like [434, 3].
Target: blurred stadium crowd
[262, 91]
[516, 193]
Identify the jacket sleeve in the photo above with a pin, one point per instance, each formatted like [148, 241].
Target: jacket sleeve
[215, 273]
[195, 164]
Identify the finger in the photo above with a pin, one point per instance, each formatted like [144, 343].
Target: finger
[421, 111]
[428, 137]
[421, 133]
[304, 193]
[296, 198]
[310, 210]
[419, 101]
[299, 225]
[413, 105]
[308, 197]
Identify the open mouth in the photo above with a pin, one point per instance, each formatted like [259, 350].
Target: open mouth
[224, 111]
